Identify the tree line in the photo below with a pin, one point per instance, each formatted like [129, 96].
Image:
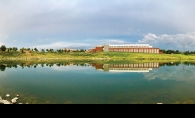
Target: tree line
[10, 49]
[3, 67]
[23, 65]
[176, 52]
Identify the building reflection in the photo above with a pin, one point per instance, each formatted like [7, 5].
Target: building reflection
[128, 67]
[133, 67]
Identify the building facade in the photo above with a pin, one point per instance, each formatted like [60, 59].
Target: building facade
[139, 48]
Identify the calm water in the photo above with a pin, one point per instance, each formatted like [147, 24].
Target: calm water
[143, 83]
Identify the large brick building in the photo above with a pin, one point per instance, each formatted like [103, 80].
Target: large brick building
[98, 48]
[143, 48]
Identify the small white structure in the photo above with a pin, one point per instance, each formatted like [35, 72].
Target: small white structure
[7, 95]
[4, 102]
[13, 101]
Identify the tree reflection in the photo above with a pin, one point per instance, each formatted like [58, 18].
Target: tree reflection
[170, 64]
[2, 67]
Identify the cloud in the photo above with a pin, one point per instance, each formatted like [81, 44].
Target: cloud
[115, 41]
[149, 38]
[76, 19]
[94, 17]
[69, 68]
[177, 74]
[59, 45]
[178, 40]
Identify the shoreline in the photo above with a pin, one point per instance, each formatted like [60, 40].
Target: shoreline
[34, 56]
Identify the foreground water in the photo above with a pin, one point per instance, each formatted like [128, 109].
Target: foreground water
[143, 83]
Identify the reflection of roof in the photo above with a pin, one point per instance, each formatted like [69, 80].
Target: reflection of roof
[126, 71]
[130, 69]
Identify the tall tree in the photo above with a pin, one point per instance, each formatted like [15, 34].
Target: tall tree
[3, 48]
[36, 49]
[42, 50]
[15, 48]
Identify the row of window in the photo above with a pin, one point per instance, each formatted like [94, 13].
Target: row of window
[127, 46]
[145, 65]
[136, 50]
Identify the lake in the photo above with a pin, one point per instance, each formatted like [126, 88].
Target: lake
[93, 83]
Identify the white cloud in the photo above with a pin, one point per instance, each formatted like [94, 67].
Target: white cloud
[62, 45]
[115, 41]
[176, 39]
[69, 68]
[148, 38]
[105, 41]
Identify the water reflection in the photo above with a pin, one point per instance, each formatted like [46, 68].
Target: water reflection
[133, 67]
[30, 65]
[70, 82]
[122, 67]
[178, 72]
[2, 67]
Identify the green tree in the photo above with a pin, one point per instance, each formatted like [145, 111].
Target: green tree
[51, 50]
[3, 48]
[82, 50]
[10, 49]
[22, 50]
[42, 50]
[15, 48]
[177, 52]
[186, 53]
[35, 49]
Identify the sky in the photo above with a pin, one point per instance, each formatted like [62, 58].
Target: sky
[83, 24]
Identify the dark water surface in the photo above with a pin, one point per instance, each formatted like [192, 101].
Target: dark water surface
[143, 83]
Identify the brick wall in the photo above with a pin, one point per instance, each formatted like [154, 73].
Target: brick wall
[99, 49]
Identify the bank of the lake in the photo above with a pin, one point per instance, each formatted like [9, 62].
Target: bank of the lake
[94, 56]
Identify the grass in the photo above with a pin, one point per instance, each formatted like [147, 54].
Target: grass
[114, 56]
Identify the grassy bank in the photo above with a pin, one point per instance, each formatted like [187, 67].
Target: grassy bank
[95, 56]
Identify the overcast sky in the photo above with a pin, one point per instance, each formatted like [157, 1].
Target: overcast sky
[167, 24]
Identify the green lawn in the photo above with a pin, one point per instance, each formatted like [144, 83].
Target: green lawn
[95, 56]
